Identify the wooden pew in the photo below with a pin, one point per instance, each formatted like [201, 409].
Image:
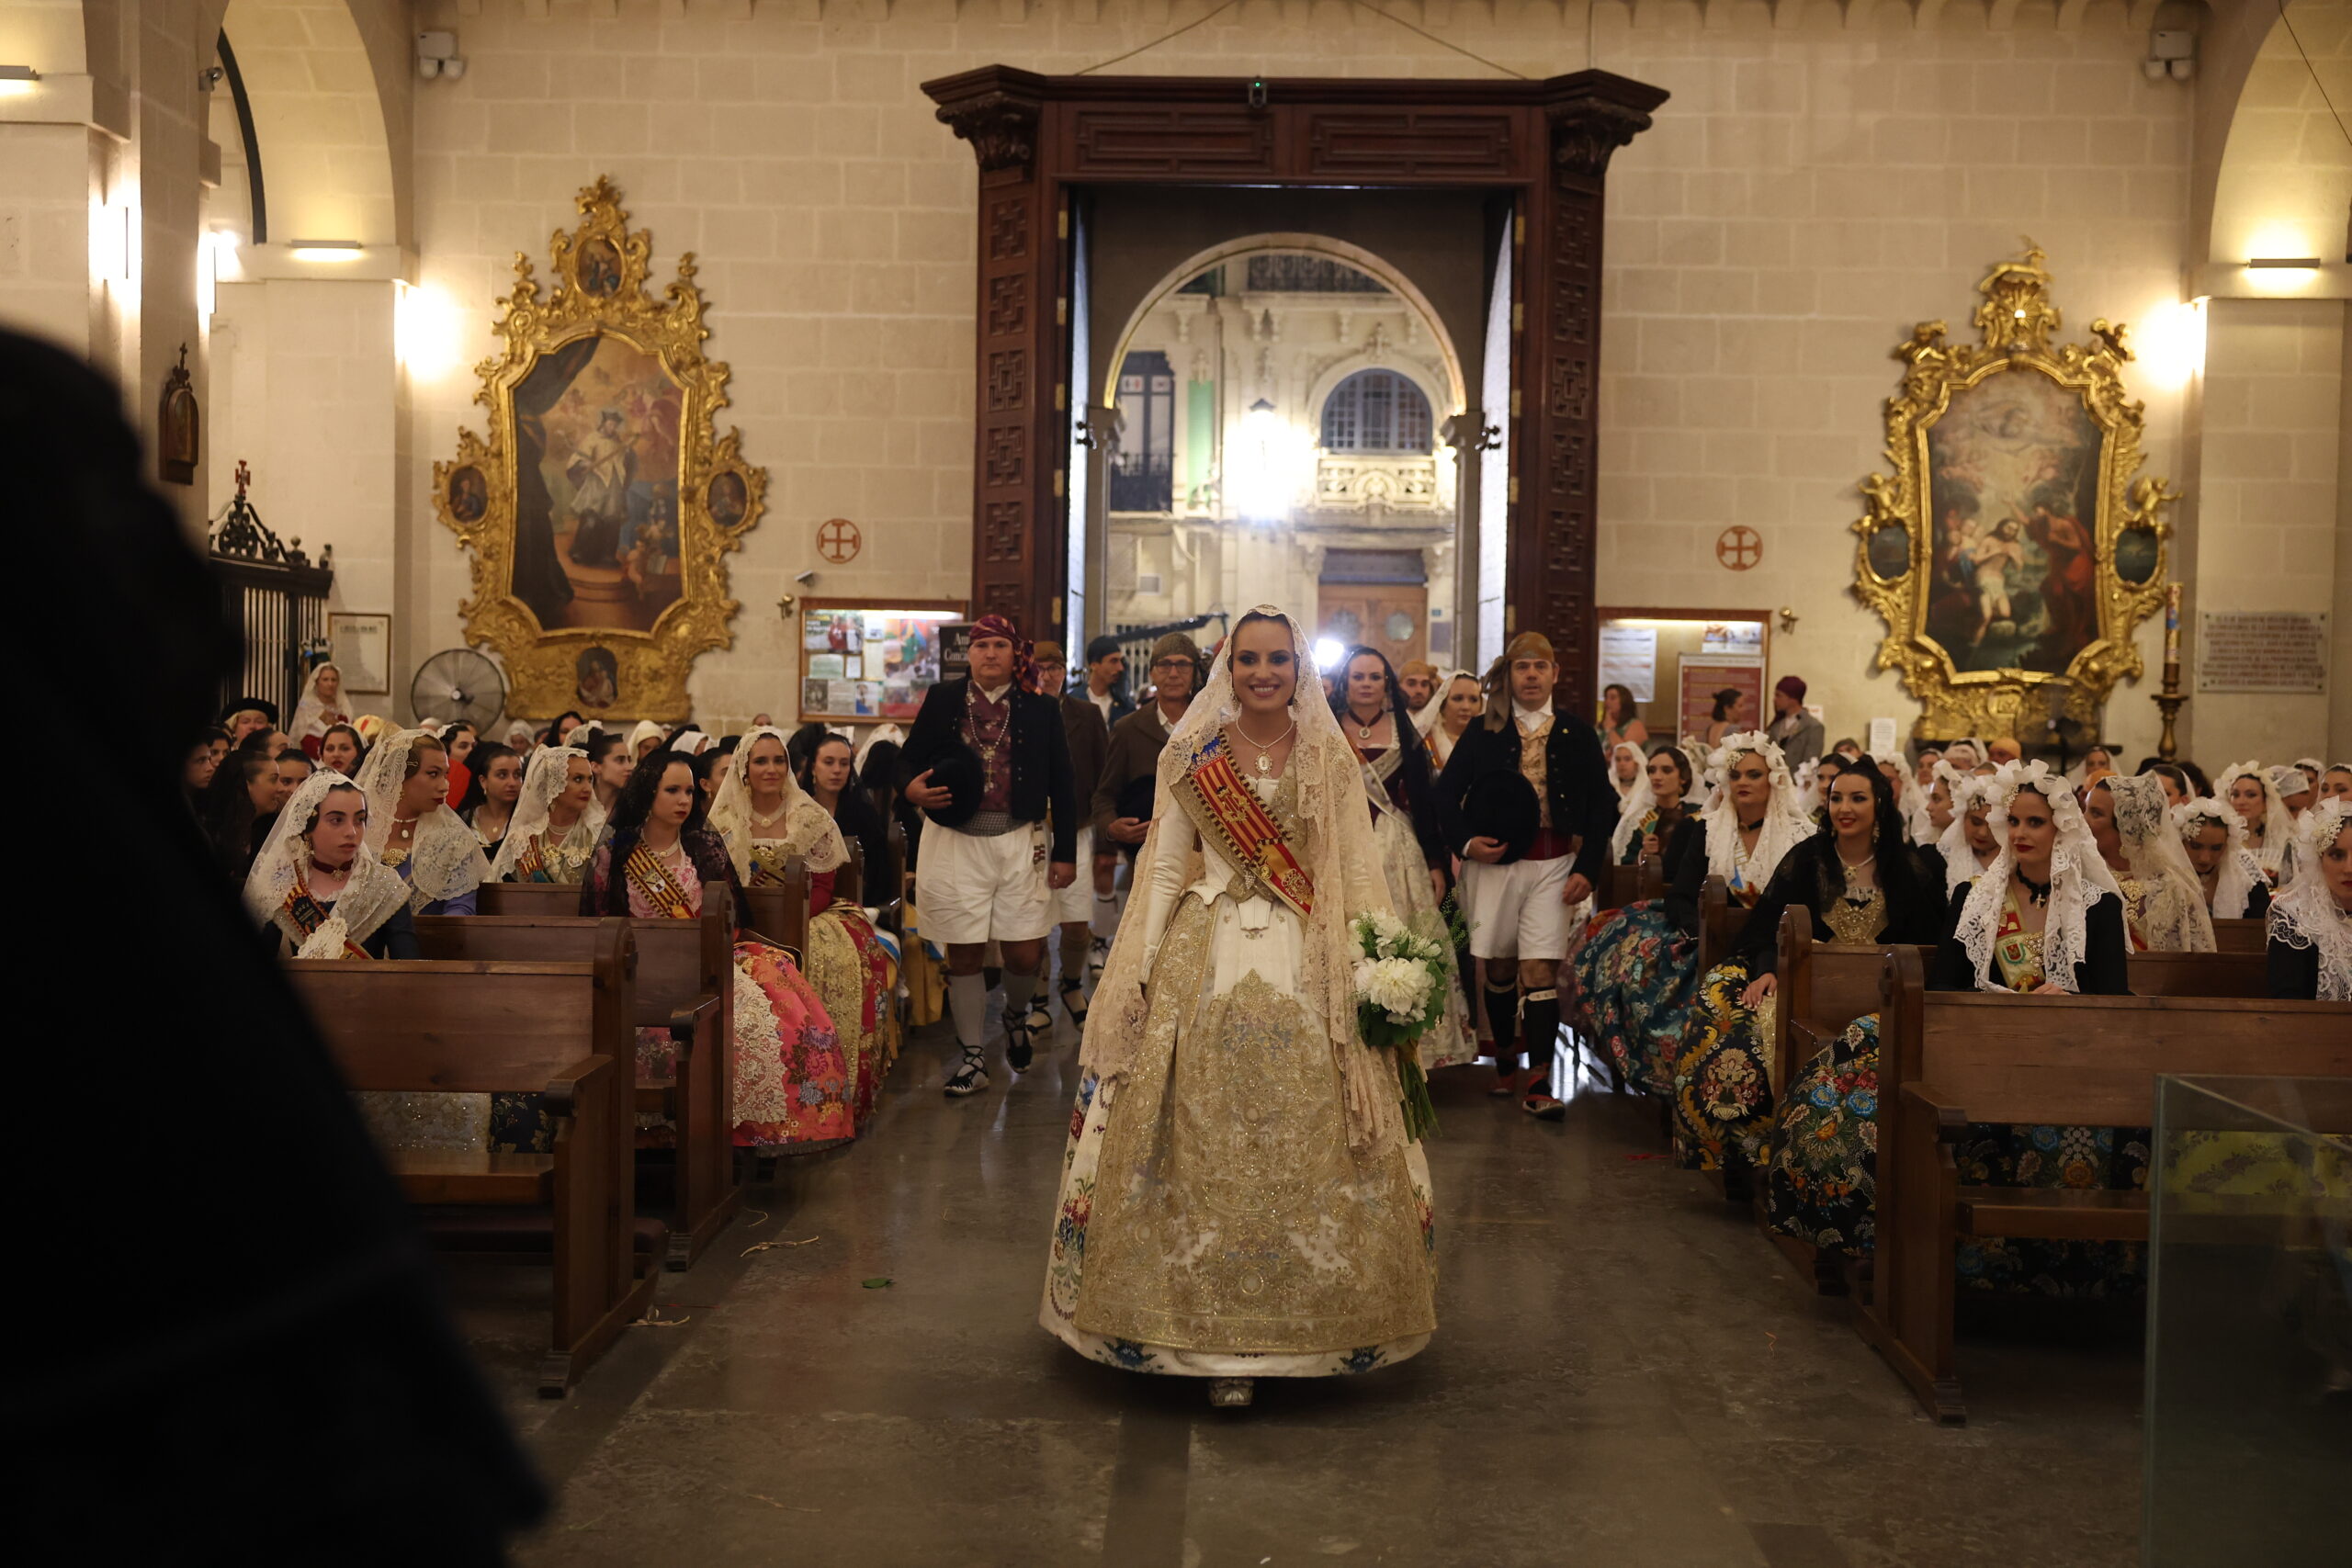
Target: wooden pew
[2199, 975]
[559, 1030]
[685, 983]
[780, 911]
[1652, 882]
[1619, 887]
[1949, 1058]
[2241, 936]
[1721, 919]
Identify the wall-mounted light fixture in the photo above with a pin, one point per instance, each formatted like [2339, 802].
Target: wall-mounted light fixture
[17, 79]
[2171, 52]
[111, 242]
[2289, 264]
[437, 57]
[325, 250]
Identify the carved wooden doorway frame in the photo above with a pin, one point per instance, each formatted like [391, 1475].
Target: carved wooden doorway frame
[1038, 138]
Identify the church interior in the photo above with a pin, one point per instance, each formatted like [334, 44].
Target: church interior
[1825, 530]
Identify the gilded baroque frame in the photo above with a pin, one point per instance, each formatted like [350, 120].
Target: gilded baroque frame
[1906, 565]
[600, 289]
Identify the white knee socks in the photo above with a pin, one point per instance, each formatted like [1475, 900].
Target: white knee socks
[1018, 990]
[967, 1002]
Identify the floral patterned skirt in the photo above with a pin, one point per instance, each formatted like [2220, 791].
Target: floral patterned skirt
[854, 977]
[789, 1081]
[1722, 1109]
[1636, 976]
[1821, 1181]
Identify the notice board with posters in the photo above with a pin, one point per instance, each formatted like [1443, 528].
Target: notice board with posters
[1698, 679]
[869, 661]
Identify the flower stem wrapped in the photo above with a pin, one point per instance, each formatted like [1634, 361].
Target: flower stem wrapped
[1400, 979]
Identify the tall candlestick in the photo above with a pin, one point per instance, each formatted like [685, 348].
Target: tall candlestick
[2172, 623]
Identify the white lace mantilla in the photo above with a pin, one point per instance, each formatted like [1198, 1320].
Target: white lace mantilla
[2079, 878]
[2241, 874]
[2306, 916]
[2173, 916]
[1785, 822]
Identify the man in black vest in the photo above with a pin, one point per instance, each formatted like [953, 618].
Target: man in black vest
[1518, 906]
[992, 859]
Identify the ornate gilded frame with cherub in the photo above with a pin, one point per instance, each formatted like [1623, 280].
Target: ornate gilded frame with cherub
[2012, 548]
[600, 509]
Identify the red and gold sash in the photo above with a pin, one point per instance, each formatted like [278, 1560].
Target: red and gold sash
[1222, 802]
[309, 915]
[530, 862]
[650, 876]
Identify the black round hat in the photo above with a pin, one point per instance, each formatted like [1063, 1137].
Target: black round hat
[1134, 800]
[957, 768]
[1503, 806]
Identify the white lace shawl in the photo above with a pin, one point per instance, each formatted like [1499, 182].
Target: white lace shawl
[1340, 854]
[310, 715]
[372, 894]
[1640, 803]
[808, 828]
[2278, 827]
[1908, 796]
[550, 771]
[873, 737]
[1961, 864]
[2240, 874]
[2173, 916]
[1426, 718]
[2305, 916]
[645, 730]
[445, 859]
[1786, 822]
[2079, 878]
[1625, 791]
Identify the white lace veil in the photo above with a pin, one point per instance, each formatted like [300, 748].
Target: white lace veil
[370, 896]
[808, 827]
[309, 714]
[645, 730]
[1640, 772]
[2240, 874]
[1434, 709]
[1960, 860]
[2173, 916]
[1643, 800]
[1786, 823]
[873, 737]
[2079, 878]
[2305, 916]
[445, 859]
[2277, 826]
[550, 771]
[1340, 855]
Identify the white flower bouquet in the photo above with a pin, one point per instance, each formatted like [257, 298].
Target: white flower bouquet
[1400, 979]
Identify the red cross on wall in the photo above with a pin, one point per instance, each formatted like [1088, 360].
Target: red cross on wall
[838, 540]
[1739, 547]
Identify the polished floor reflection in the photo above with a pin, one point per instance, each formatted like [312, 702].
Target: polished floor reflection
[1625, 1373]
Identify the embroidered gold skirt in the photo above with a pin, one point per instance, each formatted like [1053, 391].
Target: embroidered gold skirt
[1214, 1220]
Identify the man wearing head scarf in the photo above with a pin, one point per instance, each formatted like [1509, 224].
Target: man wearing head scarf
[1006, 843]
[1519, 905]
[1106, 679]
[1090, 738]
[1419, 679]
[1794, 730]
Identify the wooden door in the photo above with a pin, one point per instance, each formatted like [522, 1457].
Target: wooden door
[1391, 616]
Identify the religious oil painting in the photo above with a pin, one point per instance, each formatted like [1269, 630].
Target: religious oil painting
[2013, 470]
[601, 506]
[2014, 545]
[596, 507]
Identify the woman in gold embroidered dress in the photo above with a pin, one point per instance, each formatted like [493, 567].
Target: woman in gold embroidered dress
[556, 822]
[1239, 1198]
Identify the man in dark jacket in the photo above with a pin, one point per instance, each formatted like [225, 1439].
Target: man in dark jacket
[1518, 906]
[1074, 909]
[990, 873]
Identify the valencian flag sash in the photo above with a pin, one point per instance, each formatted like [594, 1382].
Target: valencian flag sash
[650, 876]
[1221, 802]
[307, 914]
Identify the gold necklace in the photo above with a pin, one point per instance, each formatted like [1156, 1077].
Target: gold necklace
[1363, 731]
[759, 822]
[1265, 769]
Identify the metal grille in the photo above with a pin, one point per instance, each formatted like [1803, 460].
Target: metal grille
[1376, 411]
[279, 598]
[1309, 275]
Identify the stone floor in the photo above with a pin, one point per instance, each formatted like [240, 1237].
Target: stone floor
[1625, 1373]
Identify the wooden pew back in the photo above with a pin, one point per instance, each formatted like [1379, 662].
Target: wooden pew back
[1721, 919]
[2241, 975]
[780, 910]
[420, 1026]
[1948, 1059]
[2241, 936]
[1823, 988]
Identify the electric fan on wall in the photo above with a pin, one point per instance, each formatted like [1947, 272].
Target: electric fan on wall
[456, 684]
